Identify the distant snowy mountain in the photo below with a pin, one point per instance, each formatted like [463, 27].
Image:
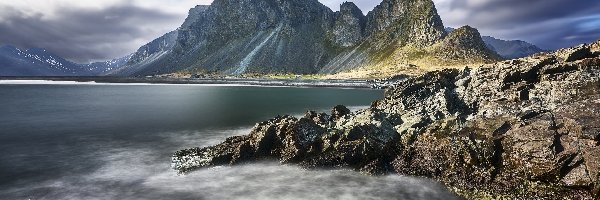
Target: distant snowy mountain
[40, 62]
[149, 53]
[509, 49]
[108, 67]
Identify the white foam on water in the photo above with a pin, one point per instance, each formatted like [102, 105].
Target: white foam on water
[43, 82]
[51, 82]
[144, 173]
[265, 84]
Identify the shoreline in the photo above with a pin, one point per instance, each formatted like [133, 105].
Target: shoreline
[310, 83]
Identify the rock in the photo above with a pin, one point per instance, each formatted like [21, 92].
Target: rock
[592, 162]
[595, 48]
[575, 53]
[520, 129]
[319, 118]
[338, 112]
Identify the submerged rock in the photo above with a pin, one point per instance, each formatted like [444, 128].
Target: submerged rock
[518, 129]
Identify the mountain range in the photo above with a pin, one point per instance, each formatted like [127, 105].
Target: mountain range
[40, 62]
[508, 49]
[289, 36]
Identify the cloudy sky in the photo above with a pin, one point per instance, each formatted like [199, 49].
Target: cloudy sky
[93, 30]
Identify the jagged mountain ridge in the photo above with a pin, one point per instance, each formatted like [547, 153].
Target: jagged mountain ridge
[298, 36]
[149, 53]
[40, 62]
[509, 49]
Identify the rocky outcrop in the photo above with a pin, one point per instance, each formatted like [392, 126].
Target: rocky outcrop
[518, 129]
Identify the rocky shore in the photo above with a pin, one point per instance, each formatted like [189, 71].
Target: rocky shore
[520, 129]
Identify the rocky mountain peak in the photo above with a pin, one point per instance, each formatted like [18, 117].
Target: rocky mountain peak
[350, 8]
[349, 25]
[407, 21]
[466, 43]
[194, 15]
[508, 49]
[465, 37]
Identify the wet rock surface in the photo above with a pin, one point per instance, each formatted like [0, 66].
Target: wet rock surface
[518, 129]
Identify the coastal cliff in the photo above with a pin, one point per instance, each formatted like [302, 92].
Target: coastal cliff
[517, 129]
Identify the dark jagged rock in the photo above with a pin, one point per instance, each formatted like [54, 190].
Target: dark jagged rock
[339, 112]
[519, 129]
[575, 53]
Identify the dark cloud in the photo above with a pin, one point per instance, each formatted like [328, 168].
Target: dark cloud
[111, 31]
[85, 35]
[550, 24]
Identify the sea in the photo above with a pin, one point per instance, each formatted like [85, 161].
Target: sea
[82, 141]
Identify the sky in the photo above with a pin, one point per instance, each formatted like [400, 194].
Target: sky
[93, 30]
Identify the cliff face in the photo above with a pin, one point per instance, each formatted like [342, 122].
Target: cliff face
[525, 128]
[349, 26]
[155, 52]
[299, 36]
[407, 21]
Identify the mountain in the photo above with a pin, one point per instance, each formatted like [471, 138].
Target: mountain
[511, 49]
[508, 49]
[465, 43]
[40, 62]
[108, 67]
[35, 62]
[149, 54]
[298, 36]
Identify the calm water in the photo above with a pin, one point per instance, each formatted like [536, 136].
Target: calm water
[115, 142]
